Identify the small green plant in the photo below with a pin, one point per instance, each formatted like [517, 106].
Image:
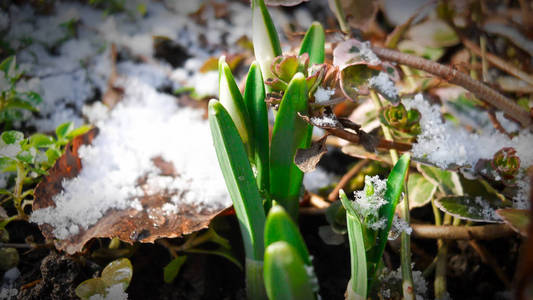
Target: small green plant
[13, 102]
[29, 158]
[369, 220]
[112, 283]
[239, 127]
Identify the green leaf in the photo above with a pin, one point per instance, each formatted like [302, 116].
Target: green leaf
[517, 219]
[420, 189]
[395, 183]
[254, 100]
[118, 271]
[12, 136]
[468, 208]
[173, 268]
[53, 154]
[91, 287]
[7, 164]
[264, 37]
[230, 97]
[314, 43]
[280, 227]
[5, 65]
[220, 251]
[34, 97]
[285, 274]
[336, 217]
[289, 134]
[448, 182]
[63, 129]
[354, 80]
[26, 156]
[40, 140]
[20, 104]
[78, 131]
[239, 179]
[357, 286]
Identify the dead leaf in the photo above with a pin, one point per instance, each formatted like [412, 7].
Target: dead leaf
[517, 219]
[284, 2]
[129, 225]
[113, 94]
[307, 159]
[360, 13]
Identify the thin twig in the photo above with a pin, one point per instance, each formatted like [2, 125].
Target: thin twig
[483, 232]
[490, 260]
[354, 138]
[498, 62]
[454, 76]
[496, 123]
[334, 195]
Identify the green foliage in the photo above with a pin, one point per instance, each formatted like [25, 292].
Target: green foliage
[173, 268]
[117, 272]
[285, 273]
[13, 102]
[30, 158]
[313, 44]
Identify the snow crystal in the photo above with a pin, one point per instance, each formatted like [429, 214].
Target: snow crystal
[323, 94]
[398, 226]
[384, 85]
[317, 179]
[144, 125]
[391, 278]
[445, 144]
[368, 201]
[206, 84]
[369, 56]
[114, 292]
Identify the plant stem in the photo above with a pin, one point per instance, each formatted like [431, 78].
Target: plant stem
[479, 89]
[334, 195]
[338, 11]
[354, 138]
[482, 232]
[441, 264]
[19, 184]
[408, 287]
[255, 288]
[386, 130]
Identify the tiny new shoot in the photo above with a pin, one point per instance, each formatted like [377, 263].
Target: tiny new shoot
[369, 219]
[288, 269]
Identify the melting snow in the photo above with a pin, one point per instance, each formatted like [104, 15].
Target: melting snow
[144, 125]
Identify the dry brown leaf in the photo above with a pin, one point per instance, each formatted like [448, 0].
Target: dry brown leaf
[307, 159]
[129, 225]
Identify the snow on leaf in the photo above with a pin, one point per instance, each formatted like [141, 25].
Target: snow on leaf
[469, 208]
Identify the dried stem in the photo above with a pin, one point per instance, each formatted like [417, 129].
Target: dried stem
[334, 195]
[498, 62]
[454, 76]
[483, 232]
[497, 124]
[354, 138]
[490, 260]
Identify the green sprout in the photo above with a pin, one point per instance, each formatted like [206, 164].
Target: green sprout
[367, 241]
[114, 280]
[255, 171]
[13, 102]
[29, 158]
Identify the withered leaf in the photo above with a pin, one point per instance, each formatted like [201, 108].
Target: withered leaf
[129, 225]
[307, 159]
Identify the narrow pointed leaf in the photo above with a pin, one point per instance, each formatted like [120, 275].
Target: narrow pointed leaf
[289, 134]
[280, 227]
[171, 271]
[314, 43]
[254, 100]
[239, 179]
[517, 219]
[285, 274]
[395, 184]
[264, 36]
[230, 97]
[357, 286]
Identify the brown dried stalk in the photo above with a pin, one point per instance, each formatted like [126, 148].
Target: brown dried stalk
[354, 138]
[454, 76]
[483, 232]
[334, 195]
[498, 62]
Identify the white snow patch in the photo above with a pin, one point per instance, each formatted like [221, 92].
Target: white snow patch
[144, 125]
[369, 200]
[323, 94]
[317, 179]
[384, 85]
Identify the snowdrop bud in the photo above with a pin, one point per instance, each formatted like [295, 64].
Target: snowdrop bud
[230, 97]
[264, 37]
